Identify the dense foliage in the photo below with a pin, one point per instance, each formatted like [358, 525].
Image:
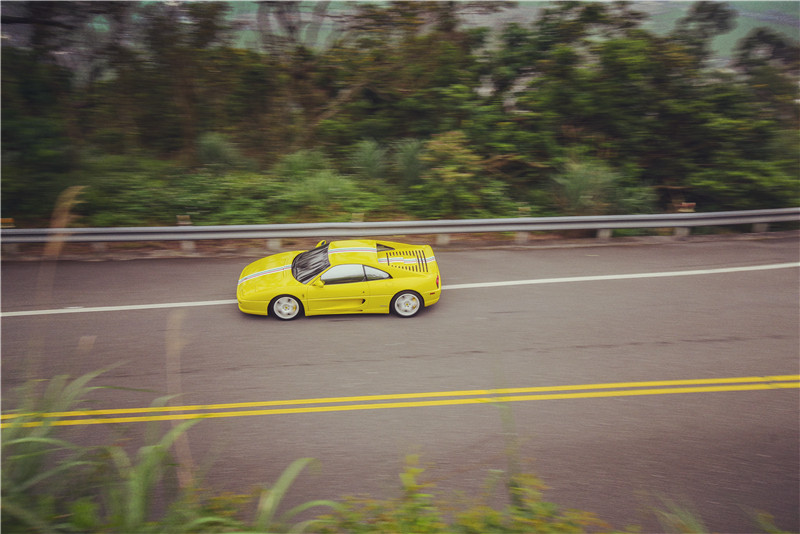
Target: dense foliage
[388, 110]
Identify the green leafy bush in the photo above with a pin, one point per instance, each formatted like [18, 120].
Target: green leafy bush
[216, 152]
[303, 186]
[417, 510]
[452, 185]
[744, 185]
[369, 160]
[408, 163]
[313, 190]
[586, 186]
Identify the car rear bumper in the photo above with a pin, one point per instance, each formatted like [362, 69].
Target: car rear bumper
[431, 297]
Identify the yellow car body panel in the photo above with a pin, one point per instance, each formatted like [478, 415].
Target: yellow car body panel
[389, 269]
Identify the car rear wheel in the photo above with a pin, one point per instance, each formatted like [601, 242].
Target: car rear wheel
[407, 303]
[285, 307]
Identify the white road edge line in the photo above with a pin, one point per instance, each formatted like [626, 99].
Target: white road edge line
[597, 278]
[118, 308]
[478, 285]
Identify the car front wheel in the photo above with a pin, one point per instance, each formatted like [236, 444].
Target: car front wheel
[285, 307]
[407, 303]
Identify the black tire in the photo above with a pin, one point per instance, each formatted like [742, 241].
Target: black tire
[407, 304]
[286, 307]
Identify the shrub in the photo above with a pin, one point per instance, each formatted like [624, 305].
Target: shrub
[417, 511]
[408, 161]
[452, 185]
[587, 186]
[215, 151]
[369, 160]
[744, 185]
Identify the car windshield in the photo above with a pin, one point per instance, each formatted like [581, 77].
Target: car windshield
[310, 263]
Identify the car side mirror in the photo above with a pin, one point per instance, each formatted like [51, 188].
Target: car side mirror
[318, 283]
[321, 244]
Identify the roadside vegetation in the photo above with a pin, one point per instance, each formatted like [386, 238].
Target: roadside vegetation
[401, 110]
[52, 485]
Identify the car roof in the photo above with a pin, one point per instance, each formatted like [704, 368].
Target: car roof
[353, 251]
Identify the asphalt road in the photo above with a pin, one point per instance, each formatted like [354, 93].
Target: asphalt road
[605, 319]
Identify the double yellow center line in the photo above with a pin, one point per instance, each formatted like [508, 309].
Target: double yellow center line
[402, 400]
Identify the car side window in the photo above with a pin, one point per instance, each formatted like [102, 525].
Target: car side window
[343, 274]
[375, 274]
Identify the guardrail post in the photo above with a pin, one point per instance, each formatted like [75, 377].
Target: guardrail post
[443, 239]
[521, 238]
[681, 231]
[8, 223]
[605, 233]
[186, 220]
[684, 207]
[760, 228]
[274, 244]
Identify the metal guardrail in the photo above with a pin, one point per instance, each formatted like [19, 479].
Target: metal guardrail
[604, 224]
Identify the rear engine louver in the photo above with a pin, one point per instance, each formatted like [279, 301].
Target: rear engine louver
[410, 260]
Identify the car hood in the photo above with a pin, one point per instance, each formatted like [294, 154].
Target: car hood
[266, 273]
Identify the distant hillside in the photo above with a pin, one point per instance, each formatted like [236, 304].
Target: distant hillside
[780, 16]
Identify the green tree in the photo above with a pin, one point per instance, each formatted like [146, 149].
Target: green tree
[173, 37]
[38, 155]
[584, 77]
[553, 91]
[90, 85]
[770, 63]
[405, 70]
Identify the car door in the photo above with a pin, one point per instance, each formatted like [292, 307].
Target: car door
[340, 289]
[382, 288]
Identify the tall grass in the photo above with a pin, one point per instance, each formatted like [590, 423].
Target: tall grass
[267, 517]
[38, 467]
[53, 486]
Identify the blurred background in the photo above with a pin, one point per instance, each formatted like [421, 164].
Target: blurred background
[269, 112]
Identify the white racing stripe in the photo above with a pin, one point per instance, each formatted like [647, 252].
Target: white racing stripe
[597, 278]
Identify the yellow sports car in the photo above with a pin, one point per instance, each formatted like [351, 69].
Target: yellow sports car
[354, 276]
